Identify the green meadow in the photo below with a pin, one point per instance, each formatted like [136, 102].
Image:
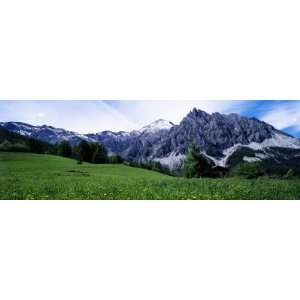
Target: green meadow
[39, 176]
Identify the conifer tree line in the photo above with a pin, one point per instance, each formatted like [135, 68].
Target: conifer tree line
[14, 142]
[195, 164]
[151, 165]
[83, 152]
[87, 152]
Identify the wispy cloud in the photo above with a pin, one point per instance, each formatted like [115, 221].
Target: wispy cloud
[118, 118]
[285, 115]
[95, 116]
[144, 112]
[79, 116]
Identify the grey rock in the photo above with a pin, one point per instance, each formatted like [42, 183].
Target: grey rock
[213, 133]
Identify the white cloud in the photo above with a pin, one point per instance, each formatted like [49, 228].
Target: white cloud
[284, 116]
[95, 116]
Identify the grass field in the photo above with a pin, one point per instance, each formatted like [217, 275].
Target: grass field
[34, 176]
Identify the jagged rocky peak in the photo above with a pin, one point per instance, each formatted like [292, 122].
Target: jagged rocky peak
[197, 113]
[194, 114]
[157, 125]
[218, 136]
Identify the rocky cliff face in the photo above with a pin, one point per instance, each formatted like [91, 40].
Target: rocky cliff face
[216, 132]
[218, 137]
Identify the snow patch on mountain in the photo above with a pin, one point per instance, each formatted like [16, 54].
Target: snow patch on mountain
[173, 161]
[277, 140]
[261, 155]
[216, 162]
[157, 125]
[250, 159]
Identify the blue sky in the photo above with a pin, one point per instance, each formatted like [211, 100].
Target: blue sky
[95, 116]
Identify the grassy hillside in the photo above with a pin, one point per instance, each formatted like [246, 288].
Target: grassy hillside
[35, 176]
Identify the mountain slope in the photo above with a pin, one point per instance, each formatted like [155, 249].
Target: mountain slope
[223, 139]
[44, 133]
[218, 137]
[11, 141]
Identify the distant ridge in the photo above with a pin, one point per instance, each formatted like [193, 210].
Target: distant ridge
[221, 138]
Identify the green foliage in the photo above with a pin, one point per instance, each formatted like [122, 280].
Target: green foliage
[276, 163]
[34, 176]
[36, 146]
[88, 152]
[13, 142]
[64, 149]
[156, 166]
[115, 159]
[150, 165]
[13, 147]
[84, 151]
[53, 149]
[195, 164]
[99, 154]
[290, 174]
[91, 152]
[248, 170]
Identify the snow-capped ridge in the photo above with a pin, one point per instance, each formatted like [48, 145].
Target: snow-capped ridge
[173, 160]
[157, 125]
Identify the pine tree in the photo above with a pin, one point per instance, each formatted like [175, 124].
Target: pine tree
[99, 154]
[84, 151]
[93, 150]
[64, 149]
[115, 159]
[248, 170]
[195, 164]
[156, 166]
[36, 146]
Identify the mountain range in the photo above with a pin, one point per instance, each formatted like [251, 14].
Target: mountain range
[224, 140]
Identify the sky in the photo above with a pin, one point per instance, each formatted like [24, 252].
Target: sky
[94, 116]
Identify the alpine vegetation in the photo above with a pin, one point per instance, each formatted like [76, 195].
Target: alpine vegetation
[204, 156]
[200, 145]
